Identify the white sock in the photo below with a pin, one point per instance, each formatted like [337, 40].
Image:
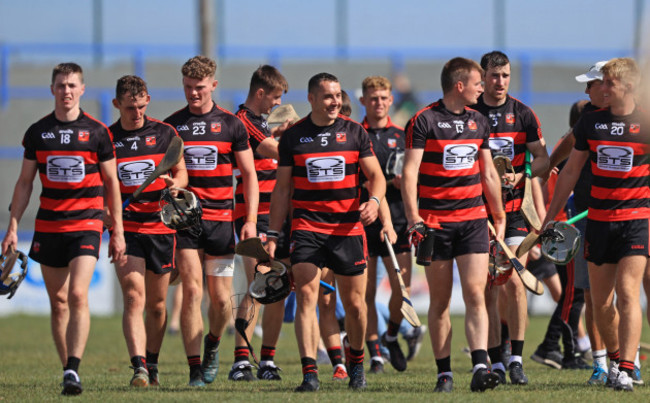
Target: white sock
[477, 367]
[636, 358]
[515, 358]
[600, 358]
[584, 344]
[449, 374]
[499, 366]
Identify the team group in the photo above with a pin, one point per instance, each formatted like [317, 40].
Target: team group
[322, 192]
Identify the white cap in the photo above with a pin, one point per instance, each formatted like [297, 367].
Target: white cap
[593, 73]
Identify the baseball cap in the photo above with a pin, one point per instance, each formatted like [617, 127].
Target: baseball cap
[593, 73]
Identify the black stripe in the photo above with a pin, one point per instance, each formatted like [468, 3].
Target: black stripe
[66, 194]
[51, 215]
[326, 194]
[450, 204]
[329, 218]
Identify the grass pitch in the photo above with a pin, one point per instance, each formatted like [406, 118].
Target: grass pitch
[30, 371]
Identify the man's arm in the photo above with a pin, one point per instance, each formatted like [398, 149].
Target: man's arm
[491, 183]
[179, 178]
[540, 162]
[412, 160]
[376, 186]
[279, 204]
[386, 222]
[19, 201]
[560, 153]
[268, 148]
[246, 165]
[565, 183]
[113, 199]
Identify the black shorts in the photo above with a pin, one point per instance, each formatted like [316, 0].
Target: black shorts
[262, 226]
[516, 228]
[541, 268]
[608, 242]
[460, 238]
[58, 249]
[377, 247]
[282, 249]
[217, 238]
[157, 250]
[344, 255]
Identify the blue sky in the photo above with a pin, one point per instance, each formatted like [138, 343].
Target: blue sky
[549, 24]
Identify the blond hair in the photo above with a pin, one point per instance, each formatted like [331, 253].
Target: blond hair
[624, 69]
[376, 83]
[199, 67]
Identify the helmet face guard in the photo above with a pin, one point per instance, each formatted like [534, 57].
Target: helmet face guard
[560, 243]
[271, 286]
[13, 269]
[395, 163]
[499, 267]
[180, 212]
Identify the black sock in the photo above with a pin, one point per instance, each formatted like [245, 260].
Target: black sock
[504, 332]
[444, 364]
[138, 361]
[308, 365]
[356, 356]
[241, 353]
[335, 355]
[73, 364]
[517, 347]
[268, 353]
[479, 357]
[495, 354]
[152, 358]
[194, 361]
[393, 329]
[373, 348]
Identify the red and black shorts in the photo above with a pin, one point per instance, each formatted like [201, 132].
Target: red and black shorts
[460, 238]
[58, 249]
[157, 250]
[217, 238]
[377, 247]
[344, 255]
[609, 242]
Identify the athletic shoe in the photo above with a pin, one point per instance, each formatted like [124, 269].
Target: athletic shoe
[197, 379]
[340, 373]
[269, 373]
[483, 380]
[397, 359]
[575, 362]
[210, 363]
[552, 358]
[624, 382]
[140, 378]
[444, 385]
[309, 383]
[376, 365]
[71, 383]
[501, 374]
[612, 375]
[242, 372]
[598, 377]
[636, 376]
[357, 377]
[153, 374]
[517, 376]
[414, 341]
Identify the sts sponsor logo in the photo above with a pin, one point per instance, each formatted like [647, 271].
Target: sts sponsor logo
[614, 158]
[134, 173]
[459, 156]
[325, 169]
[201, 158]
[62, 168]
[503, 146]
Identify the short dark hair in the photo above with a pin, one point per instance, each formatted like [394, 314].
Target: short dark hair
[346, 106]
[455, 70]
[315, 81]
[576, 111]
[269, 79]
[494, 59]
[131, 85]
[67, 69]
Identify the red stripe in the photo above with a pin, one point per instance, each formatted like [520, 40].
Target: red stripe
[454, 193]
[253, 131]
[409, 126]
[149, 207]
[328, 206]
[351, 157]
[147, 227]
[220, 193]
[619, 215]
[68, 226]
[348, 181]
[636, 172]
[265, 164]
[517, 137]
[217, 215]
[84, 203]
[221, 170]
[340, 229]
[432, 169]
[459, 215]
[90, 158]
[620, 193]
[639, 148]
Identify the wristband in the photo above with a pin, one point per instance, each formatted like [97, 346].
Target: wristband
[499, 214]
[272, 234]
[375, 198]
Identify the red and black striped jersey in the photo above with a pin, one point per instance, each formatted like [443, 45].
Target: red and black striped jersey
[68, 156]
[210, 143]
[325, 162]
[258, 131]
[618, 153]
[449, 177]
[138, 153]
[386, 142]
[512, 126]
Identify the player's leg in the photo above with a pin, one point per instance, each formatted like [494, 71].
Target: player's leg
[372, 337]
[57, 283]
[306, 277]
[155, 322]
[389, 339]
[329, 326]
[440, 279]
[601, 280]
[494, 330]
[131, 277]
[352, 289]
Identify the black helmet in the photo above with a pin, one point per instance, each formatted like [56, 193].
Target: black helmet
[271, 286]
[181, 211]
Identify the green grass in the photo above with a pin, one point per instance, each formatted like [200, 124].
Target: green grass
[30, 371]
